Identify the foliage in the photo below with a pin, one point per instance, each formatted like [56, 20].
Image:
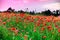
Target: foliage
[29, 27]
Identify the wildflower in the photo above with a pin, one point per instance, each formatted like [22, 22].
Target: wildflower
[42, 29]
[49, 28]
[13, 29]
[44, 36]
[59, 30]
[56, 26]
[25, 37]
[4, 23]
[44, 23]
[22, 15]
[28, 17]
[32, 20]
[34, 30]
[16, 32]
[38, 24]
[47, 19]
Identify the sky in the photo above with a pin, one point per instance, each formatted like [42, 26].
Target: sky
[38, 5]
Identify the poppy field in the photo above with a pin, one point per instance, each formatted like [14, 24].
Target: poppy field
[29, 27]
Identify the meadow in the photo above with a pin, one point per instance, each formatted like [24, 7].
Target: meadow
[29, 27]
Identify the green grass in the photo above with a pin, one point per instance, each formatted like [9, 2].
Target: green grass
[6, 34]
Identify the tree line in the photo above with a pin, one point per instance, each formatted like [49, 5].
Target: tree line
[46, 12]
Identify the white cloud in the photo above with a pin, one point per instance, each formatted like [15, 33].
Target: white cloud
[52, 6]
[25, 1]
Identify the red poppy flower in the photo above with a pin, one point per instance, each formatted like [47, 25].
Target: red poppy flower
[4, 23]
[56, 26]
[28, 17]
[22, 15]
[13, 29]
[59, 30]
[49, 28]
[42, 29]
[38, 24]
